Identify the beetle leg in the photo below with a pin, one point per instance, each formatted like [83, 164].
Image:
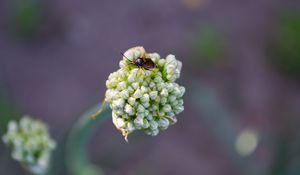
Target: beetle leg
[141, 70]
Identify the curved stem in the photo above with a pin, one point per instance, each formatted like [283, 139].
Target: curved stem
[76, 147]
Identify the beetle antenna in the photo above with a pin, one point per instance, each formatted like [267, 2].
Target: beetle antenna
[125, 57]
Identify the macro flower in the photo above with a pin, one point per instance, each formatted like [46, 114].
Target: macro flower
[30, 144]
[145, 99]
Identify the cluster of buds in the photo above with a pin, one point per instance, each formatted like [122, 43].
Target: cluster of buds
[142, 98]
[30, 144]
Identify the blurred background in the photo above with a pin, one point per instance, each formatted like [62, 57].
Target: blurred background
[241, 70]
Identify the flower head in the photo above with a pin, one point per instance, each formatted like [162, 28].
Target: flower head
[30, 144]
[145, 99]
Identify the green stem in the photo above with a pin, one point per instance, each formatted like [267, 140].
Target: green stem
[76, 147]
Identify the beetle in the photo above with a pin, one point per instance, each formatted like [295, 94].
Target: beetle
[142, 62]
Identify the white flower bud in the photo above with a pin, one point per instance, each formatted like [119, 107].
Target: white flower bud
[154, 132]
[139, 52]
[140, 115]
[135, 85]
[149, 117]
[133, 73]
[119, 103]
[153, 124]
[130, 89]
[129, 110]
[178, 109]
[119, 112]
[110, 95]
[123, 64]
[145, 84]
[138, 94]
[177, 91]
[27, 138]
[158, 79]
[146, 112]
[121, 86]
[164, 123]
[124, 94]
[146, 124]
[146, 104]
[151, 84]
[157, 99]
[180, 102]
[154, 57]
[131, 101]
[170, 77]
[145, 99]
[155, 114]
[122, 74]
[174, 103]
[160, 86]
[164, 92]
[140, 80]
[167, 108]
[129, 55]
[163, 100]
[172, 98]
[172, 119]
[144, 89]
[138, 122]
[154, 107]
[130, 127]
[111, 83]
[131, 78]
[170, 59]
[153, 95]
[161, 113]
[121, 123]
[170, 87]
[170, 69]
[12, 126]
[182, 91]
[140, 109]
[161, 62]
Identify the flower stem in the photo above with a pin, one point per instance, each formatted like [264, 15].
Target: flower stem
[76, 147]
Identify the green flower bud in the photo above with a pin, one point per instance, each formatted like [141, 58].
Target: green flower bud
[145, 99]
[30, 144]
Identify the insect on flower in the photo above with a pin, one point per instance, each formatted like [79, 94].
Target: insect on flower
[143, 93]
[142, 62]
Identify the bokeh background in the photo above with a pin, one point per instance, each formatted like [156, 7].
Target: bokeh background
[241, 70]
